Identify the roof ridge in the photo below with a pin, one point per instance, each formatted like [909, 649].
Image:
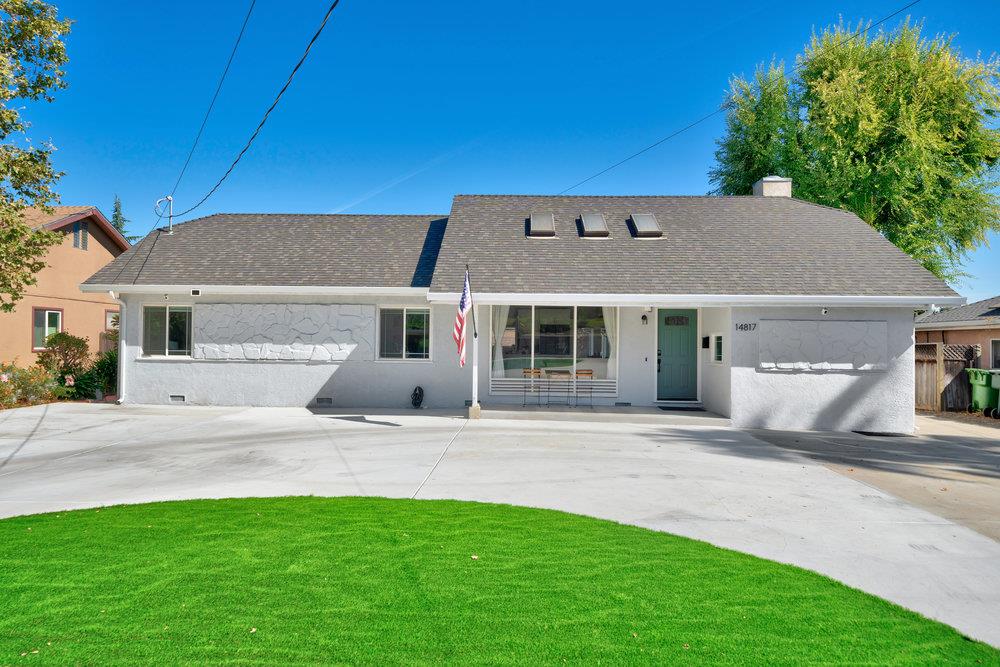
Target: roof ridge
[612, 196]
[334, 215]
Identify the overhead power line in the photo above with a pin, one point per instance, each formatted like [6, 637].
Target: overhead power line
[211, 105]
[721, 108]
[267, 113]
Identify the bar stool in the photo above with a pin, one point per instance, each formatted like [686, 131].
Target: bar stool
[532, 386]
[587, 375]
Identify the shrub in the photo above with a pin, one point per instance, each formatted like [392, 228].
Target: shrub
[27, 385]
[65, 354]
[105, 370]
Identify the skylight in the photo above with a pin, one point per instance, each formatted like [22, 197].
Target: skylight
[646, 226]
[594, 225]
[542, 224]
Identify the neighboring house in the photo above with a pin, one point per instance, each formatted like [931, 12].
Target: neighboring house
[55, 303]
[975, 324]
[773, 311]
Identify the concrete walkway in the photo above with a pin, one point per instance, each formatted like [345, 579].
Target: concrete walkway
[708, 482]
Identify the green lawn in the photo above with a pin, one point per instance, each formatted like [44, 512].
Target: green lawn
[372, 580]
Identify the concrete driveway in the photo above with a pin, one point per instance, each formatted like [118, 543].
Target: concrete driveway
[710, 482]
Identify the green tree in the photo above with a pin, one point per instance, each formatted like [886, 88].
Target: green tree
[897, 128]
[118, 219]
[32, 54]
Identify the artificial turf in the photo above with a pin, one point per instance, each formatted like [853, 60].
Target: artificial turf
[307, 580]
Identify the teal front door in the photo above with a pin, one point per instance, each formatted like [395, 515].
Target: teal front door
[676, 354]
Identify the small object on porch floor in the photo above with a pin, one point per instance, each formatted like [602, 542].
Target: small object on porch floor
[417, 397]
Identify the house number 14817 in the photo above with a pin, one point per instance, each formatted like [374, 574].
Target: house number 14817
[746, 326]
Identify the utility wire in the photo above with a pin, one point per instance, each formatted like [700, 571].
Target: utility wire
[723, 107]
[211, 105]
[267, 113]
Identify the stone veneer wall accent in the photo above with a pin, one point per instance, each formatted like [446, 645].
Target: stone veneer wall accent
[284, 331]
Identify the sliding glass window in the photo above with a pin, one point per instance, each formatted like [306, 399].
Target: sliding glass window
[557, 340]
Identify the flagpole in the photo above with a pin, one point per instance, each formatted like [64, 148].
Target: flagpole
[474, 409]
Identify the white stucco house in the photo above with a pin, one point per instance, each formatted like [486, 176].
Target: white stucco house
[772, 311]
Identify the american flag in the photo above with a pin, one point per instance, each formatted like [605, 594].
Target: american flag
[464, 306]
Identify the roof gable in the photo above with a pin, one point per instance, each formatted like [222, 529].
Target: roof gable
[62, 216]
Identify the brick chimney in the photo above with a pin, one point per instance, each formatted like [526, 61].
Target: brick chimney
[773, 186]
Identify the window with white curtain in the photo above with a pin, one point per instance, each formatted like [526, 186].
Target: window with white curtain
[556, 340]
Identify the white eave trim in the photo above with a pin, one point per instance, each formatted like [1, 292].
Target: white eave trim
[695, 299]
[208, 290]
[967, 324]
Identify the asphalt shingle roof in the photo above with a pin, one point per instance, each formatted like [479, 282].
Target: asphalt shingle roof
[986, 311]
[284, 250]
[710, 245]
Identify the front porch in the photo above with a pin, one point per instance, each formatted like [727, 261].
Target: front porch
[607, 415]
[550, 356]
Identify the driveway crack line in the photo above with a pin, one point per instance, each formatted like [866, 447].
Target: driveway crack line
[439, 459]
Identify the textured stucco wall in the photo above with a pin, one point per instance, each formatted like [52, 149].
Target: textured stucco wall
[284, 331]
[352, 376]
[715, 377]
[836, 399]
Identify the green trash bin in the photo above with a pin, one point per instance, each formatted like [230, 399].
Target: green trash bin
[996, 388]
[984, 393]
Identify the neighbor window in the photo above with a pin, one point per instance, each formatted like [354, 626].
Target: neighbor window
[44, 323]
[404, 333]
[110, 320]
[166, 330]
[717, 349]
[81, 232]
[995, 349]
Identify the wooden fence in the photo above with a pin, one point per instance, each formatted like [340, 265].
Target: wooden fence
[941, 382]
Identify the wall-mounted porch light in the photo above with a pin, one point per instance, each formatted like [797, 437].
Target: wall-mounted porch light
[645, 320]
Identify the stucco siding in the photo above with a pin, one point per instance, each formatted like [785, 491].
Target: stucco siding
[291, 370]
[715, 377]
[813, 396]
[58, 288]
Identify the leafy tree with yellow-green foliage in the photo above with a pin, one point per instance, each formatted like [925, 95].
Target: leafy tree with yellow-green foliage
[32, 54]
[897, 128]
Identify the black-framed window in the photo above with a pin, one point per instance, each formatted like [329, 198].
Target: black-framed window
[404, 333]
[717, 350]
[166, 330]
[995, 352]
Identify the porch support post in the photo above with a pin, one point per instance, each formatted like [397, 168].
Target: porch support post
[474, 409]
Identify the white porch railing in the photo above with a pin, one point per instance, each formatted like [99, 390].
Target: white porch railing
[554, 388]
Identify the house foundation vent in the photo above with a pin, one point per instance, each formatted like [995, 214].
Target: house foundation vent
[176, 398]
[326, 400]
[623, 404]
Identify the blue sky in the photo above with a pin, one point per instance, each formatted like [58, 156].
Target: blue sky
[402, 105]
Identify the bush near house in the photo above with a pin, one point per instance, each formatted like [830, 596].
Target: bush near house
[67, 357]
[27, 386]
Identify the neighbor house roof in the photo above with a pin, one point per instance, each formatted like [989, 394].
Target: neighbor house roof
[985, 313]
[388, 251]
[60, 216]
[710, 246]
